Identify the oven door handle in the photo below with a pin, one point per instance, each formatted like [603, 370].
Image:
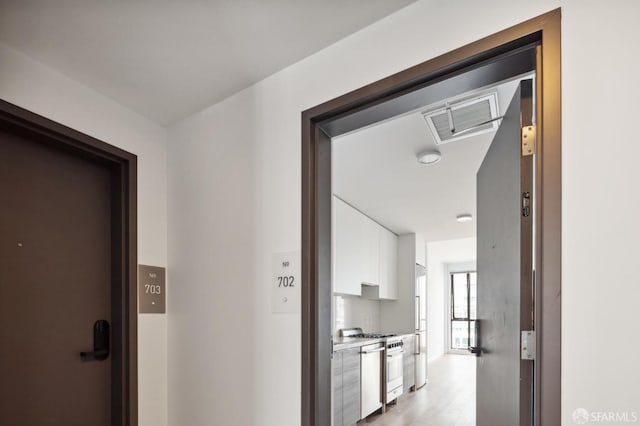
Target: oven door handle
[395, 354]
[372, 351]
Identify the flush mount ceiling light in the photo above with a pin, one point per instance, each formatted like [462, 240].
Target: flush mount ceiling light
[464, 218]
[430, 156]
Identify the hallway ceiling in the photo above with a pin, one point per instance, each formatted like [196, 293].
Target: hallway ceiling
[168, 59]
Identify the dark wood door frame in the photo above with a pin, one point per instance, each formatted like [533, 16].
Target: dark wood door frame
[543, 31]
[124, 315]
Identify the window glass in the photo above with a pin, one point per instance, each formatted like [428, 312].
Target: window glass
[459, 334]
[463, 309]
[473, 293]
[460, 296]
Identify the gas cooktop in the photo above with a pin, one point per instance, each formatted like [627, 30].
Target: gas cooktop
[357, 332]
[373, 335]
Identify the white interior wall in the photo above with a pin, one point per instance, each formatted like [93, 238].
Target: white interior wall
[440, 255]
[234, 196]
[33, 86]
[599, 295]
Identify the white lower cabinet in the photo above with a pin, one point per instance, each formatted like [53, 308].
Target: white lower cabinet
[337, 388]
[408, 363]
[346, 387]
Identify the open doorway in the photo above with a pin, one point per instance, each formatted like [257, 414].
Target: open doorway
[404, 260]
[530, 47]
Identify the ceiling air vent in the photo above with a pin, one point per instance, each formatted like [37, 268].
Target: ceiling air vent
[463, 119]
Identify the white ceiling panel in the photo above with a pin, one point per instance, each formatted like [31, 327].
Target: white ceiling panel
[375, 170]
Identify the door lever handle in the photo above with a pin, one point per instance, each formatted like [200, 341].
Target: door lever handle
[94, 355]
[100, 342]
[477, 350]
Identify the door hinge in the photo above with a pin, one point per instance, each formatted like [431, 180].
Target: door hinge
[528, 140]
[528, 345]
[526, 204]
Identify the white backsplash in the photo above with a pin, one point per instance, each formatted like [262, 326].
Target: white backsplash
[354, 311]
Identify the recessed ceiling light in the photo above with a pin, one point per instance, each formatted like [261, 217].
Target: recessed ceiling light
[430, 156]
[464, 218]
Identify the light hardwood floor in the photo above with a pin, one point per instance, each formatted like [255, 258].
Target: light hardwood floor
[448, 399]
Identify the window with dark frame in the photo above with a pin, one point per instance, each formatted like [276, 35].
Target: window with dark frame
[463, 309]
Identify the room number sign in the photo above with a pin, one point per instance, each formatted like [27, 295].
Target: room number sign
[151, 289]
[285, 282]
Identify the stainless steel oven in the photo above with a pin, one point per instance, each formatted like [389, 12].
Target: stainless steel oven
[394, 368]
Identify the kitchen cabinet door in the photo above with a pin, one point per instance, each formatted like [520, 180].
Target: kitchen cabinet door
[370, 250]
[337, 388]
[350, 386]
[388, 265]
[347, 249]
[408, 363]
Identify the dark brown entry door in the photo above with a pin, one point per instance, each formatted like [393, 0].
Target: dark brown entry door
[504, 382]
[55, 280]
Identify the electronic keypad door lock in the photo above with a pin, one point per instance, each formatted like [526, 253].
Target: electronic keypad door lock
[100, 342]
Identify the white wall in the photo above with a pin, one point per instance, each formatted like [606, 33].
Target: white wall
[599, 295]
[234, 196]
[31, 85]
[440, 257]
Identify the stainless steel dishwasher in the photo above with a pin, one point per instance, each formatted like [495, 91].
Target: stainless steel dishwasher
[370, 378]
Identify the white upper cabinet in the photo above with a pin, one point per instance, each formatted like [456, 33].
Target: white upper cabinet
[348, 246]
[388, 265]
[370, 250]
[421, 250]
[363, 253]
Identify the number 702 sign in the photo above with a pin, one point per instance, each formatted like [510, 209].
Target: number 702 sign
[285, 282]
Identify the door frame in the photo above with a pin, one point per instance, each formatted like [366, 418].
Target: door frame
[316, 331]
[124, 315]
